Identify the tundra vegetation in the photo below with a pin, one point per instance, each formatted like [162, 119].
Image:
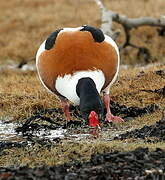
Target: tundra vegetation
[141, 83]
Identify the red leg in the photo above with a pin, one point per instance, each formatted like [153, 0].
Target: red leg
[109, 116]
[65, 106]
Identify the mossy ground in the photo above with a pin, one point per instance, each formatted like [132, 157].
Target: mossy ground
[25, 25]
[19, 100]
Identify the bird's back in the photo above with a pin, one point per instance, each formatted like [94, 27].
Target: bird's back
[75, 51]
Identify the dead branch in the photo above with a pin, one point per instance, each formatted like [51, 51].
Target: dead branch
[137, 22]
[128, 23]
[141, 50]
[108, 16]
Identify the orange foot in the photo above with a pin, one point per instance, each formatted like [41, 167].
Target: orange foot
[111, 118]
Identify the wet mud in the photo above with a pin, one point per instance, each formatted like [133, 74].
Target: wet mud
[54, 119]
[131, 112]
[154, 133]
[138, 164]
[9, 145]
[38, 127]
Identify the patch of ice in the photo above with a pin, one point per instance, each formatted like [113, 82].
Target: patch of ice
[79, 136]
[7, 130]
[52, 134]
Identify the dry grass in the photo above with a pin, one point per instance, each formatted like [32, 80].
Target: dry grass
[66, 152]
[22, 94]
[129, 89]
[133, 8]
[25, 24]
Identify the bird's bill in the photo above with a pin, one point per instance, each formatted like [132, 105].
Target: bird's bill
[93, 119]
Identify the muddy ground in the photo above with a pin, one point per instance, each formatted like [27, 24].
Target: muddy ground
[137, 164]
[140, 163]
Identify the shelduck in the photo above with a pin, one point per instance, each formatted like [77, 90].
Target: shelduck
[77, 65]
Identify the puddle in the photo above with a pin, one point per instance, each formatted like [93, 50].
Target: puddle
[60, 133]
[52, 134]
[8, 133]
[79, 136]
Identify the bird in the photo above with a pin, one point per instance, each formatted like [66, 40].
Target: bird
[79, 65]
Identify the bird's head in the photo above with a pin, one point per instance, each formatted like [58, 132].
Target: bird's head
[91, 106]
[93, 119]
[92, 112]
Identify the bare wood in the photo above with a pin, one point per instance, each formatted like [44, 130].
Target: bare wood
[136, 22]
[128, 23]
[108, 16]
[106, 19]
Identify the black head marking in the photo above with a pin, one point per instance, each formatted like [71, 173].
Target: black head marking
[51, 39]
[89, 97]
[97, 34]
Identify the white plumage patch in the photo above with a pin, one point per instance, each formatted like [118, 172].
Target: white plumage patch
[110, 41]
[66, 85]
[39, 52]
[71, 29]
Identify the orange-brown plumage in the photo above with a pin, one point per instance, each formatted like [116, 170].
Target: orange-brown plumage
[77, 64]
[77, 51]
